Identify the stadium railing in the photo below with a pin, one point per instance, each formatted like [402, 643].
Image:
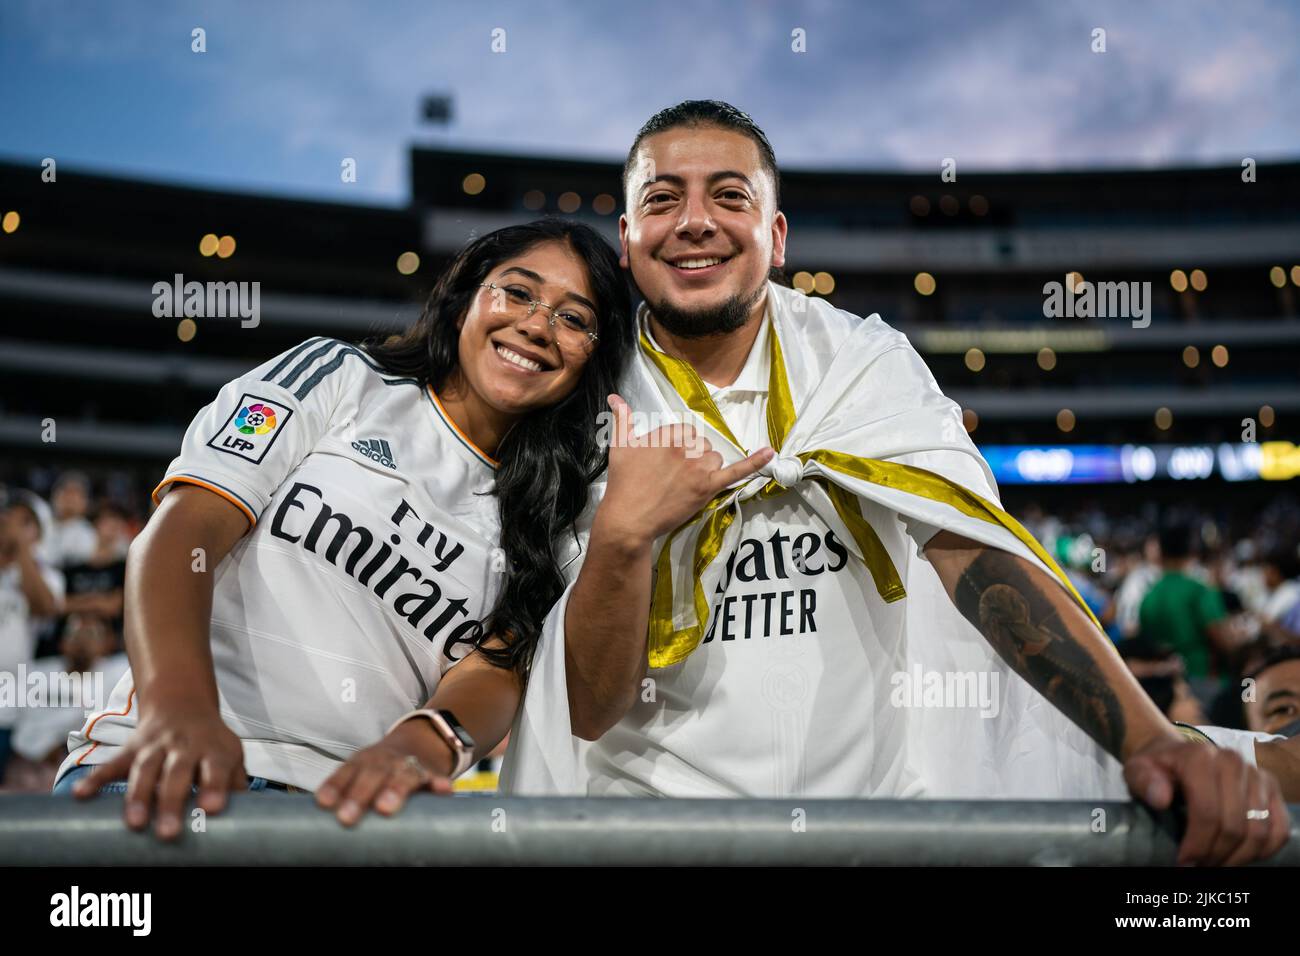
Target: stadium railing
[289, 830]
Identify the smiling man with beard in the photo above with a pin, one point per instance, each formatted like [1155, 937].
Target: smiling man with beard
[871, 456]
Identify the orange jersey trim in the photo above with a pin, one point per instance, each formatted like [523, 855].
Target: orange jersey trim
[186, 479]
[463, 437]
[130, 701]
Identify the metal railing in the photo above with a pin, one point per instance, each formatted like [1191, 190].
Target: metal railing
[277, 829]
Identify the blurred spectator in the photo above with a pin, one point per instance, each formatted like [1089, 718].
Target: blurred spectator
[95, 586]
[1275, 707]
[1097, 598]
[1160, 672]
[1280, 568]
[72, 539]
[1185, 614]
[29, 591]
[1248, 578]
[1287, 630]
[1137, 582]
[80, 678]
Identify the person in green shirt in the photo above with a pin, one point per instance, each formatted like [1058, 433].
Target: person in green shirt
[1181, 611]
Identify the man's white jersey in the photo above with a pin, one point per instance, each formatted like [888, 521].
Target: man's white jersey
[371, 561]
[789, 692]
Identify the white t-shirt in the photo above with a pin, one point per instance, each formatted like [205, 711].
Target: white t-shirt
[71, 541]
[789, 692]
[1128, 600]
[17, 626]
[1283, 598]
[1242, 741]
[367, 573]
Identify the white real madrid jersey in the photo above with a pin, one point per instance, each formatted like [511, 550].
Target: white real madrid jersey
[789, 693]
[370, 564]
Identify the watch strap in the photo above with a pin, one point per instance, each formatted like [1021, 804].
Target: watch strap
[462, 756]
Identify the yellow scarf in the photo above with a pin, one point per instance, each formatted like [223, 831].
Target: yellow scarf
[670, 645]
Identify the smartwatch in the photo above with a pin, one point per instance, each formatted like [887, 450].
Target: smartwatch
[452, 733]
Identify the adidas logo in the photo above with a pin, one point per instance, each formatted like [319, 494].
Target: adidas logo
[376, 449]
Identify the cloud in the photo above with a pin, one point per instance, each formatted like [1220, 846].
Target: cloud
[286, 91]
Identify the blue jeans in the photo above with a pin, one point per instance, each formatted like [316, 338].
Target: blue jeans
[64, 786]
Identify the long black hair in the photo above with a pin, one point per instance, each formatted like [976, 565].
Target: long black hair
[549, 459]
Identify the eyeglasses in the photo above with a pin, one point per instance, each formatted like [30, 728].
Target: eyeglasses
[512, 298]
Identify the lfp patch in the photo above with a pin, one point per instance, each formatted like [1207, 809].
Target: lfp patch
[256, 418]
[251, 428]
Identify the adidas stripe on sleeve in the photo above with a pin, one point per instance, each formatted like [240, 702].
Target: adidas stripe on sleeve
[263, 424]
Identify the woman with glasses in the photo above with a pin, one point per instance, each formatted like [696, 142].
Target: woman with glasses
[354, 551]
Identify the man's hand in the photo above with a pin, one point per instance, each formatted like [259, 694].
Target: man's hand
[658, 481]
[1036, 627]
[1219, 788]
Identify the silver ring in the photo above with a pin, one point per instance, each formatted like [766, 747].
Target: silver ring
[413, 763]
[1256, 814]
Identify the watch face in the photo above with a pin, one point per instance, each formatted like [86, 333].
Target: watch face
[461, 734]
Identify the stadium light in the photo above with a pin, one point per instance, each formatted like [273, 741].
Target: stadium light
[1191, 356]
[208, 245]
[1277, 276]
[407, 263]
[473, 184]
[924, 283]
[1198, 280]
[225, 247]
[10, 221]
[1219, 355]
[1164, 418]
[1178, 279]
[974, 360]
[437, 109]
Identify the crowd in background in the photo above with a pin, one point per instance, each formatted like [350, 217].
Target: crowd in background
[62, 571]
[1205, 612]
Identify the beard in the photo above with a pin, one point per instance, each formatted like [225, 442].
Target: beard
[721, 319]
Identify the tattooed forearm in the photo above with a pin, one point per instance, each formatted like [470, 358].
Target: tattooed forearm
[1000, 596]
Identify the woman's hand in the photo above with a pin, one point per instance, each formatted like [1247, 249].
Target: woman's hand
[180, 736]
[412, 757]
[658, 481]
[171, 748]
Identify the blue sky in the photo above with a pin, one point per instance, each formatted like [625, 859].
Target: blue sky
[287, 89]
